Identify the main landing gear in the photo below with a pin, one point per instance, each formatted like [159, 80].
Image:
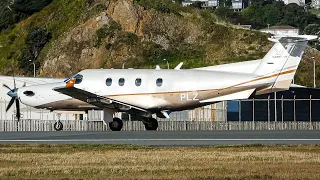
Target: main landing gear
[116, 124]
[150, 124]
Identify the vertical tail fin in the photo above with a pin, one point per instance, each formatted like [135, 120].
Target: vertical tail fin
[282, 61]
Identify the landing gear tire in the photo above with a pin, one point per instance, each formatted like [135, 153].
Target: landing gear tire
[58, 126]
[151, 124]
[116, 124]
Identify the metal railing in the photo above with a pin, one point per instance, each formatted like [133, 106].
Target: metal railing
[72, 125]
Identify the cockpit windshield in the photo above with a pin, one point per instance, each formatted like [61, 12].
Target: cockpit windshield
[78, 78]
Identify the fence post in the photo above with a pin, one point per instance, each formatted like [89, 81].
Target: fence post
[269, 112]
[275, 106]
[310, 113]
[253, 127]
[294, 112]
[239, 110]
[282, 112]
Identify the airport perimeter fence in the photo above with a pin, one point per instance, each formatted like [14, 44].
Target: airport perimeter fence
[72, 125]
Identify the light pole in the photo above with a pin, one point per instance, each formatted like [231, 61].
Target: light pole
[34, 68]
[124, 64]
[167, 62]
[314, 72]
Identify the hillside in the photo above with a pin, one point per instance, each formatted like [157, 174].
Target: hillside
[67, 36]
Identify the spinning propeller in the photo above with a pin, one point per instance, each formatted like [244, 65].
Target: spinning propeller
[14, 94]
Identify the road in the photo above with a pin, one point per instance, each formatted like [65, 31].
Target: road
[163, 138]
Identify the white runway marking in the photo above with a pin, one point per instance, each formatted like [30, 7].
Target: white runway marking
[115, 140]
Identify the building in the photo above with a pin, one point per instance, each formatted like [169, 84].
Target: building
[205, 3]
[247, 27]
[295, 104]
[236, 4]
[315, 4]
[281, 30]
[299, 2]
[239, 4]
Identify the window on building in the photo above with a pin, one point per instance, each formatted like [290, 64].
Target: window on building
[121, 81]
[138, 82]
[159, 82]
[109, 82]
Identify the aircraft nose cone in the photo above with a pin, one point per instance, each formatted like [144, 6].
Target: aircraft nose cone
[12, 93]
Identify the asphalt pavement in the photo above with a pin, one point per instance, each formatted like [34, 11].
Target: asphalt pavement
[163, 138]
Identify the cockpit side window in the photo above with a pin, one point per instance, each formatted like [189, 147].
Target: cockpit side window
[79, 78]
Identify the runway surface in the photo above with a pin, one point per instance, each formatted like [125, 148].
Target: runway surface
[163, 138]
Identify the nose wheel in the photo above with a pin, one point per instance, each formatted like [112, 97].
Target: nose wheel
[116, 124]
[58, 126]
[151, 124]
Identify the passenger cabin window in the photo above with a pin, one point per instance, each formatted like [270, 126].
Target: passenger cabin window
[138, 82]
[109, 82]
[159, 82]
[121, 82]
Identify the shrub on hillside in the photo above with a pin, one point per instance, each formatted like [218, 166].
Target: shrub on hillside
[313, 29]
[261, 13]
[12, 12]
[107, 30]
[35, 41]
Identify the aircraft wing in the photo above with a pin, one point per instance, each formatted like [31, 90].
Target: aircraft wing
[96, 100]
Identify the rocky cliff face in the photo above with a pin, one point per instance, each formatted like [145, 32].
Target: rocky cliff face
[144, 39]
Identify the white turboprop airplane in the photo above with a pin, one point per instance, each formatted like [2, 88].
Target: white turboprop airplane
[145, 92]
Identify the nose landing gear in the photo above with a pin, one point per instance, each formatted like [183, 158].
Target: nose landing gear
[58, 126]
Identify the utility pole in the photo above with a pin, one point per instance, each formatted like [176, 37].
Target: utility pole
[34, 68]
[167, 63]
[123, 64]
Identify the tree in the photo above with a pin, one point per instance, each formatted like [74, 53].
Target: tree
[35, 41]
[313, 29]
[223, 12]
[12, 12]
[259, 14]
[197, 4]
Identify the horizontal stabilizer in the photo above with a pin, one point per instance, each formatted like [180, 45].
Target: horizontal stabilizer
[179, 66]
[292, 38]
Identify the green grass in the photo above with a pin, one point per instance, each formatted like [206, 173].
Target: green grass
[142, 162]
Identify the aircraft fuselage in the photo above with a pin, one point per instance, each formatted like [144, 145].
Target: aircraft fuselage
[148, 89]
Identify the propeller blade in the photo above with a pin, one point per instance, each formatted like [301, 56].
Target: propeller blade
[18, 109]
[6, 86]
[10, 104]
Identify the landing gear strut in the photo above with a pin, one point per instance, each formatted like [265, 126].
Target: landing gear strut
[58, 126]
[116, 124]
[151, 124]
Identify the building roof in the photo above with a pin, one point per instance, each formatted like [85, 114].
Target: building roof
[246, 26]
[279, 27]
